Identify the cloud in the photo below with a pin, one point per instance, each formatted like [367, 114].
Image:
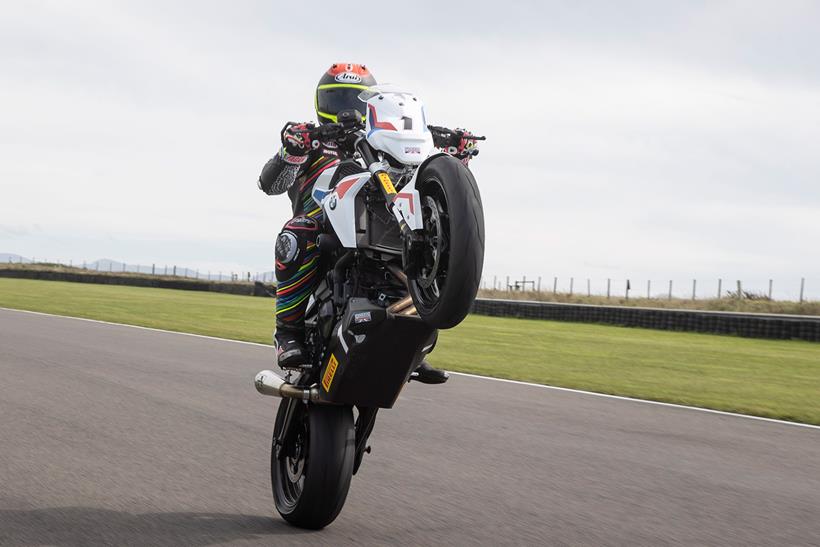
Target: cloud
[630, 139]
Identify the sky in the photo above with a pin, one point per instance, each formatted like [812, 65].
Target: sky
[629, 140]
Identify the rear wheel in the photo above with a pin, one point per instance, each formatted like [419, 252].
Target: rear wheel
[311, 471]
[452, 256]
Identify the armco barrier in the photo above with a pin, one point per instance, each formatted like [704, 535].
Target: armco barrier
[750, 325]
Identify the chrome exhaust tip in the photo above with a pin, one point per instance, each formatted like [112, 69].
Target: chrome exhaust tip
[268, 382]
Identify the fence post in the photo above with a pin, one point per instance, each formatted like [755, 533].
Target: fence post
[608, 282]
[571, 283]
[739, 290]
[802, 287]
[720, 283]
[694, 288]
[670, 289]
[555, 285]
[770, 289]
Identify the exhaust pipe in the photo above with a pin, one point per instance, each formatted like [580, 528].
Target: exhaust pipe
[268, 382]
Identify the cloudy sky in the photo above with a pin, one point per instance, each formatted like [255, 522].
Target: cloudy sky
[640, 140]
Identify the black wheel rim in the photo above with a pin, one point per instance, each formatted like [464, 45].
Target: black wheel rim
[436, 247]
[291, 463]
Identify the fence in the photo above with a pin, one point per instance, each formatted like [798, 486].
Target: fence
[750, 325]
[160, 270]
[694, 289]
[609, 288]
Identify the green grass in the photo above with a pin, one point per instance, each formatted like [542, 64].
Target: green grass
[773, 378]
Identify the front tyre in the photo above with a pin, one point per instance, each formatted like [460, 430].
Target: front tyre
[311, 473]
[453, 250]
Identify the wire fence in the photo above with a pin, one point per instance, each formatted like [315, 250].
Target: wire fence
[609, 288]
[164, 270]
[669, 289]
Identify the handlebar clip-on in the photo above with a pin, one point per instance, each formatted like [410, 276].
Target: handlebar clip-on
[348, 121]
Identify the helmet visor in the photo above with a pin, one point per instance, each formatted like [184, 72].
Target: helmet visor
[332, 99]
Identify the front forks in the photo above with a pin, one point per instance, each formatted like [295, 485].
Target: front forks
[364, 426]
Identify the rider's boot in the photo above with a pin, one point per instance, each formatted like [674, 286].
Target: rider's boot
[426, 374]
[290, 349]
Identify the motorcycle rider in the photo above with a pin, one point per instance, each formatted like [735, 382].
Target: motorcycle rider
[295, 169]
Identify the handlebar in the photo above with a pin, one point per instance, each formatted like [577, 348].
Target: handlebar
[458, 133]
[336, 131]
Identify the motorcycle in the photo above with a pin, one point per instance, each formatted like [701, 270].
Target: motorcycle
[402, 257]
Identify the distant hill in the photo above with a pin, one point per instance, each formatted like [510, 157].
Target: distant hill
[11, 257]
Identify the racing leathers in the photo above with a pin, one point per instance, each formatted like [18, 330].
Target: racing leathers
[296, 253]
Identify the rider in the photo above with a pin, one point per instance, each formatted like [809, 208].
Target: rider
[294, 169]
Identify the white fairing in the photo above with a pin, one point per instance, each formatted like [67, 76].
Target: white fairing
[408, 203]
[339, 206]
[396, 124]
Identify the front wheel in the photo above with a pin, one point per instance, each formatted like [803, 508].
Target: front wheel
[452, 256]
[311, 471]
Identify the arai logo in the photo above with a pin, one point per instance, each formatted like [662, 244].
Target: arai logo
[348, 78]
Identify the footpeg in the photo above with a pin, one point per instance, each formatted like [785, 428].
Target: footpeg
[429, 375]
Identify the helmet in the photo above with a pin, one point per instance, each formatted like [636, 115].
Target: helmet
[339, 90]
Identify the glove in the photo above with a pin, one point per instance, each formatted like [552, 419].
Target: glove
[455, 143]
[296, 142]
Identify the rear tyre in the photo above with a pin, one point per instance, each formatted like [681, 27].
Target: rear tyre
[453, 250]
[312, 477]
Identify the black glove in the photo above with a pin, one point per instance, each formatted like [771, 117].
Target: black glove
[459, 143]
[296, 142]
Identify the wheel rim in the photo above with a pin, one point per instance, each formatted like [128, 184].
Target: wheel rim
[291, 467]
[435, 255]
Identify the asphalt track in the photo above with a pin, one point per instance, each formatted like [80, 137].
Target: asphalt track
[111, 435]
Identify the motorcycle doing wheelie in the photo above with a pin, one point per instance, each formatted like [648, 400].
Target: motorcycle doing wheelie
[402, 257]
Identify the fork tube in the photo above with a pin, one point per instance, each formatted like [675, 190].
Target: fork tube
[381, 179]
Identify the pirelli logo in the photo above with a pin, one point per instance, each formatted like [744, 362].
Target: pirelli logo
[384, 178]
[330, 372]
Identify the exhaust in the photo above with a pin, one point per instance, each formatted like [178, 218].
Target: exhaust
[268, 382]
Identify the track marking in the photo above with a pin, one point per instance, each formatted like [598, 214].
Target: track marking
[466, 374]
[636, 400]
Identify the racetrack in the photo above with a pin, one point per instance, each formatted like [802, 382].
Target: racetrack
[117, 435]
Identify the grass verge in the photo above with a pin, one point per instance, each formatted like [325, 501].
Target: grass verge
[772, 378]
